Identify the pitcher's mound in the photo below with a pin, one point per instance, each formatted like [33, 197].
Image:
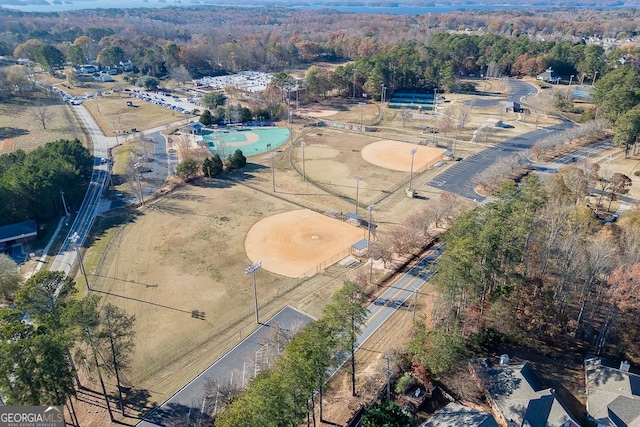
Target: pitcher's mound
[396, 155]
[296, 243]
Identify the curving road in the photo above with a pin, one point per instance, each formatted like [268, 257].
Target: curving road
[457, 179]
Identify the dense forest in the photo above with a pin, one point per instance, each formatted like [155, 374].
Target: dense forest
[31, 183]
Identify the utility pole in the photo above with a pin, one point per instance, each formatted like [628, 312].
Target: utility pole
[95, 359]
[64, 203]
[388, 359]
[74, 240]
[370, 208]
[358, 178]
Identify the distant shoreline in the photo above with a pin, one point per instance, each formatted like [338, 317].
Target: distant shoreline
[362, 7]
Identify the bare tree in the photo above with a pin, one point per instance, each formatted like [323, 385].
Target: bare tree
[42, 114]
[446, 118]
[464, 113]
[405, 115]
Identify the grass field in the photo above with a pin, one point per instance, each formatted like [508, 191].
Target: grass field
[178, 265]
[20, 129]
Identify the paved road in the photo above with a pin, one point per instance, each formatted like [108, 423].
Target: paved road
[242, 362]
[238, 366]
[396, 296]
[90, 205]
[457, 179]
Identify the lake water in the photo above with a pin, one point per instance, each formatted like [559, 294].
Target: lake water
[64, 5]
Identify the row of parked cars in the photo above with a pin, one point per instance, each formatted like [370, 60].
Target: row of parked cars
[155, 99]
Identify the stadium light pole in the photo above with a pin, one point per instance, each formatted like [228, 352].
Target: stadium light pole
[273, 170]
[355, 70]
[435, 114]
[74, 240]
[370, 208]
[361, 114]
[413, 153]
[253, 269]
[304, 174]
[383, 88]
[358, 178]
[137, 168]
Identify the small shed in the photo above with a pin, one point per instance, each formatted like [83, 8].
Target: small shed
[353, 219]
[194, 128]
[549, 76]
[360, 248]
[20, 232]
[512, 107]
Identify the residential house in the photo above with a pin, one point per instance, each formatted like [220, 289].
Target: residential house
[520, 399]
[549, 76]
[455, 414]
[613, 395]
[86, 69]
[18, 233]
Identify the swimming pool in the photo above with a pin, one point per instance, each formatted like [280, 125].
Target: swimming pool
[251, 141]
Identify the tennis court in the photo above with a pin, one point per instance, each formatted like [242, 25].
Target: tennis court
[252, 141]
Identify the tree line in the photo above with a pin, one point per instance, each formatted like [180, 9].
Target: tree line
[535, 266]
[283, 394]
[31, 183]
[48, 335]
[182, 52]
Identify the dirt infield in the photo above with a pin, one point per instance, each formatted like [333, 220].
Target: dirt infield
[294, 243]
[396, 155]
[321, 113]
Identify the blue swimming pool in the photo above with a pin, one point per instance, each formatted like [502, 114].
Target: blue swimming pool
[251, 140]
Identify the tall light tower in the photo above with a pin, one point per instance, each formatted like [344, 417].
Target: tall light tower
[253, 269]
[137, 168]
[358, 178]
[382, 90]
[304, 174]
[361, 104]
[355, 70]
[370, 208]
[435, 114]
[413, 153]
[273, 169]
[74, 240]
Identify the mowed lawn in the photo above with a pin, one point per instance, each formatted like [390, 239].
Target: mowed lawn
[20, 128]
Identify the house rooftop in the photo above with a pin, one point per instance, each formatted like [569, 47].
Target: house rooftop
[613, 396]
[523, 399]
[18, 230]
[455, 414]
